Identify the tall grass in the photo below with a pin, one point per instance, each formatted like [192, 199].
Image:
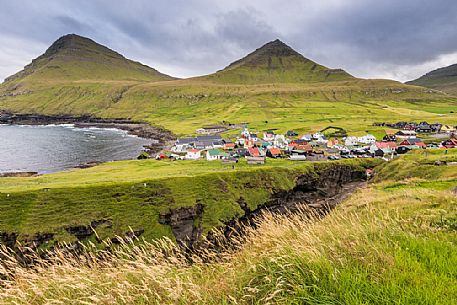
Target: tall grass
[371, 250]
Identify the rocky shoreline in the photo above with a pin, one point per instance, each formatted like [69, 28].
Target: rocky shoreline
[159, 137]
[137, 128]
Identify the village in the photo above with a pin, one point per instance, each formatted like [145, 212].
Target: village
[331, 143]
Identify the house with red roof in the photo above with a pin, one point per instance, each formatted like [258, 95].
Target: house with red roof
[451, 143]
[274, 152]
[413, 143]
[386, 147]
[254, 152]
[193, 154]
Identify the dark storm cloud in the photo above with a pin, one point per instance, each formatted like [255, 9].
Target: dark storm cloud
[397, 39]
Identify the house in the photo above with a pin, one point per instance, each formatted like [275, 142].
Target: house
[332, 143]
[351, 141]
[255, 160]
[413, 143]
[318, 135]
[399, 125]
[389, 138]
[249, 143]
[208, 142]
[410, 126]
[448, 129]
[424, 127]
[386, 147]
[451, 143]
[436, 127]
[209, 138]
[433, 145]
[202, 145]
[307, 137]
[215, 154]
[218, 144]
[402, 150]
[299, 142]
[367, 139]
[230, 160]
[193, 154]
[291, 133]
[253, 137]
[307, 148]
[242, 152]
[274, 152]
[280, 141]
[378, 153]
[297, 155]
[228, 145]
[268, 135]
[183, 144]
[211, 129]
[405, 134]
[254, 152]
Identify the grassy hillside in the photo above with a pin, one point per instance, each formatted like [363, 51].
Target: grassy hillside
[273, 87]
[393, 242]
[73, 57]
[185, 105]
[276, 62]
[443, 79]
[132, 194]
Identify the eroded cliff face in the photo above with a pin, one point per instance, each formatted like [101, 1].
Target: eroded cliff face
[319, 191]
[319, 187]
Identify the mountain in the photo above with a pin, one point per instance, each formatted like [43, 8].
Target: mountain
[276, 62]
[273, 87]
[443, 79]
[74, 57]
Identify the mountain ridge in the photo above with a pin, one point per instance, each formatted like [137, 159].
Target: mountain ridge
[277, 62]
[443, 79]
[78, 57]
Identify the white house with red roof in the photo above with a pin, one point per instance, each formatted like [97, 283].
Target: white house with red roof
[193, 154]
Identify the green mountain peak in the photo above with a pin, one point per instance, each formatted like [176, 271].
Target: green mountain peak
[276, 62]
[73, 57]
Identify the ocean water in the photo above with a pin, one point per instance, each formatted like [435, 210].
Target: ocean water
[54, 148]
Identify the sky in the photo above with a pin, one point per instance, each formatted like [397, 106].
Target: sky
[392, 39]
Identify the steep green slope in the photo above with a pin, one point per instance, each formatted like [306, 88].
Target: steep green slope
[276, 62]
[280, 89]
[132, 194]
[73, 57]
[444, 79]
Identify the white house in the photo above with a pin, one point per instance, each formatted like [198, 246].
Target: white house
[351, 141]
[320, 138]
[193, 154]
[183, 144]
[406, 134]
[317, 135]
[367, 139]
[268, 136]
[280, 141]
[307, 137]
[215, 154]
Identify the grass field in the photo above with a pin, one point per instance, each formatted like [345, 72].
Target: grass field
[185, 105]
[132, 194]
[393, 242]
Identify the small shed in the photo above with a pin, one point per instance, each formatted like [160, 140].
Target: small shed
[255, 160]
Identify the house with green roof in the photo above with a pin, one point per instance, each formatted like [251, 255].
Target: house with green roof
[215, 154]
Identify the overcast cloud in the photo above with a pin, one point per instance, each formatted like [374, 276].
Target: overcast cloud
[375, 39]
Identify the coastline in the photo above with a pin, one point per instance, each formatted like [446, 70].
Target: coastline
[138, 128]
[160, 138]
